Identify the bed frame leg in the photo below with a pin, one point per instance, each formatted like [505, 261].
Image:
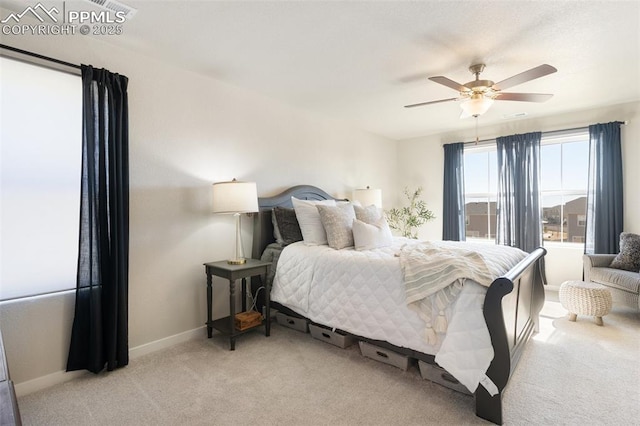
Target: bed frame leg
[489, 407]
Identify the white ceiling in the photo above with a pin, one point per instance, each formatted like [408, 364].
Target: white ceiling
[362, 61]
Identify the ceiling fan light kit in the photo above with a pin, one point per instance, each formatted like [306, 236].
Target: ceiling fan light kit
[478, 95]
[476, 105]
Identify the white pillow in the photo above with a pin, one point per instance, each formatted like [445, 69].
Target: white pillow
[369, 237]
[370, 214]
[313, 232]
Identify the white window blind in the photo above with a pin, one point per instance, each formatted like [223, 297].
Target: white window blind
[40, 159]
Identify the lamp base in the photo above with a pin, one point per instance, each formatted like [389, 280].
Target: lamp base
[237, 261]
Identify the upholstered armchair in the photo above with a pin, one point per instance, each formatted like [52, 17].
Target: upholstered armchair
[624, 284]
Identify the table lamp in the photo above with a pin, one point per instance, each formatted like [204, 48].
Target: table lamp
[368, 196]
[235, 198]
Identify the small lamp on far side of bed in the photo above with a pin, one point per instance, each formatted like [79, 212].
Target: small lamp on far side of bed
[368, 196]
[235, 198]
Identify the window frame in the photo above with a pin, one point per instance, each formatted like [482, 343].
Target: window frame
[548, 138]
[488, 147]
[562, 138]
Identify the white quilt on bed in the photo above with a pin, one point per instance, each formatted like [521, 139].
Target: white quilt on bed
[362, 292]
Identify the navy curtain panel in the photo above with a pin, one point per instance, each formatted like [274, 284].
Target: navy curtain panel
[519, 212]
[453, 212]
[604, 195]
[99, 336]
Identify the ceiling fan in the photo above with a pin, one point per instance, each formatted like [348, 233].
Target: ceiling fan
[478, 95]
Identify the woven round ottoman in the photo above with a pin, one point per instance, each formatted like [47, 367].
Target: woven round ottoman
[583, 298]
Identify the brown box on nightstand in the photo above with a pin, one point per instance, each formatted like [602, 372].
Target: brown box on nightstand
[248, 319]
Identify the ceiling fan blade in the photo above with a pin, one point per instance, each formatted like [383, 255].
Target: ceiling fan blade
[430, 102]
[523, 77]
[449, 83]
[523, 97]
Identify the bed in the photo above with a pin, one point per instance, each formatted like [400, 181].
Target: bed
[509, 306]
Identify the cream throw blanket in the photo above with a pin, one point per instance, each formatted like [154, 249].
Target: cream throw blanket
[434, 273]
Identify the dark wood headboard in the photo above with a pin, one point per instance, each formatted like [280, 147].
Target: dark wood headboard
[262, 225]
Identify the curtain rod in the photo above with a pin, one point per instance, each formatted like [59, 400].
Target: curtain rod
[550, 133]
[76, 68]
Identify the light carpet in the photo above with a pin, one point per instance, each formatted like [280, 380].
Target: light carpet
[570, 374]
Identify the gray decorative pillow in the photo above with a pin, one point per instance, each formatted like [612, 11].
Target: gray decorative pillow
[276, 231]
[629, 256]
[338, 223]
[370, 214]
[287, 225]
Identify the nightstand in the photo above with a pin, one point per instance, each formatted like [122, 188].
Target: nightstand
[232, 273]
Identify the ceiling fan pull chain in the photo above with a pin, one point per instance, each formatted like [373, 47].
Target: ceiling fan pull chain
[477, 138]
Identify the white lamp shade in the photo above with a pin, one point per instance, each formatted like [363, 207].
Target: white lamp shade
[235, 197]
[476, 105]
[368, 196]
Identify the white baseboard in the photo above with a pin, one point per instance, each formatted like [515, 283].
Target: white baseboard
[166, 342]
[62, 376]
[43, 382]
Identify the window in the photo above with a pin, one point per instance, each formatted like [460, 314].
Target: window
[564, 160]
[40, 163]
[480, 183]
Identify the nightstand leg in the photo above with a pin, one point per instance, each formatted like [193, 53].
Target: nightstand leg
[232, 311]
[267, 299]
[244, 295]
[209, 306]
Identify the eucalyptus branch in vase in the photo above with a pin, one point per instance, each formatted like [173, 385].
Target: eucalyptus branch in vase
[408, 219]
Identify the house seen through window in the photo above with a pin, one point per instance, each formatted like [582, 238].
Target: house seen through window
[40, 165]
[564, 161]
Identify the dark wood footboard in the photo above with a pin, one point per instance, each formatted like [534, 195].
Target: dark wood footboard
[511, 309]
